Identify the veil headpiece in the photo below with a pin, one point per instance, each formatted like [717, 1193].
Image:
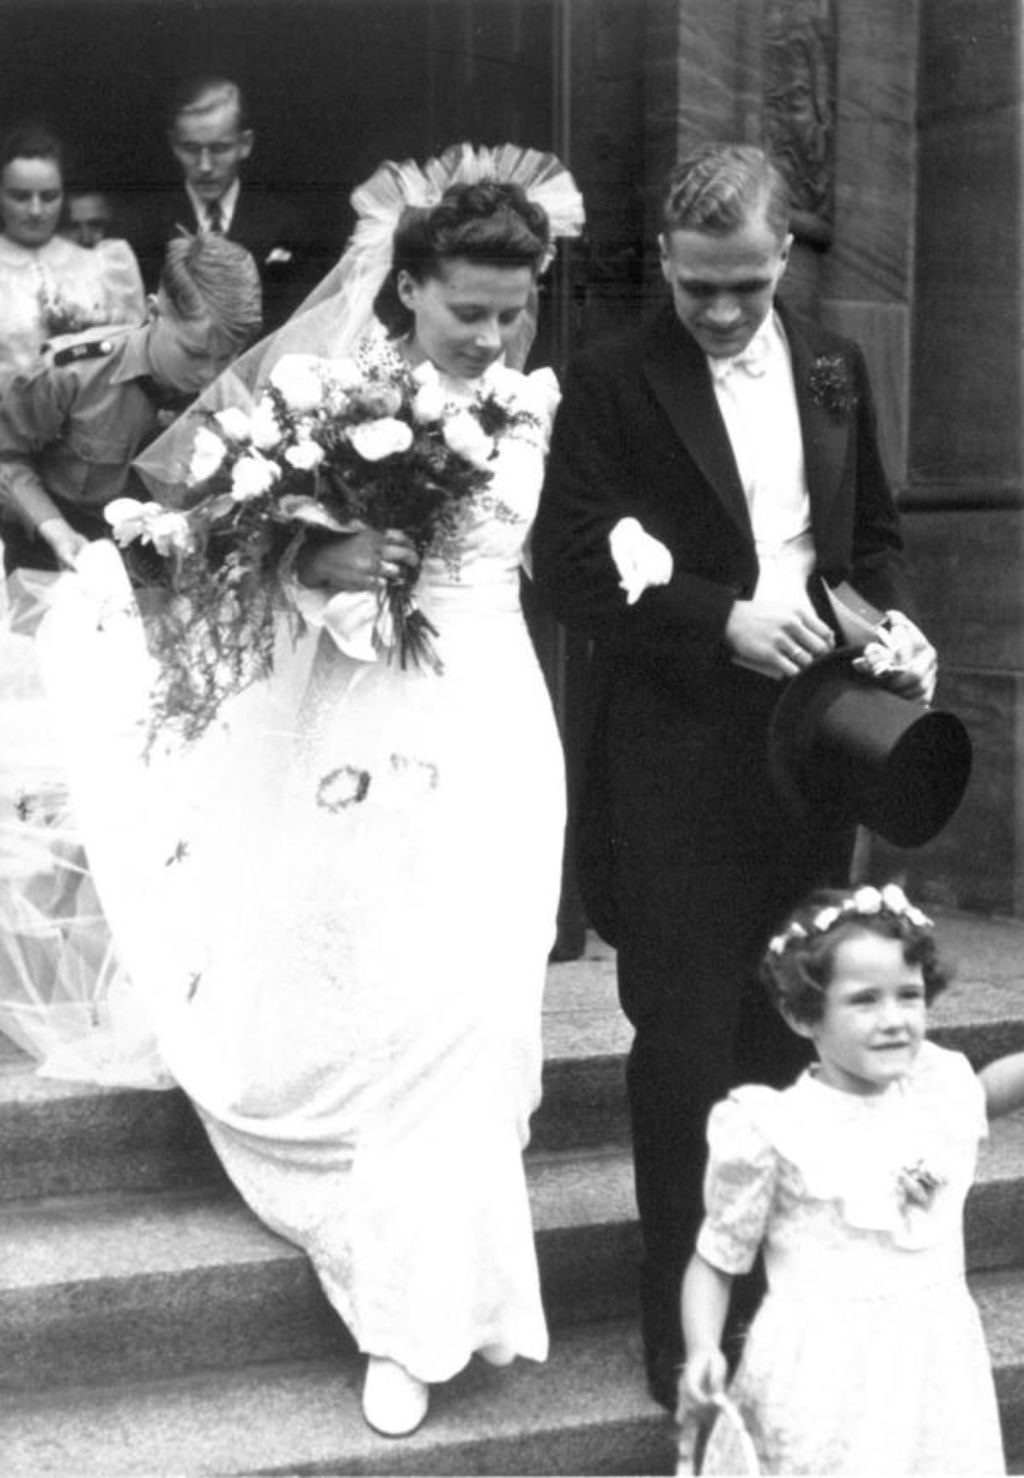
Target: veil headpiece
[336, 314]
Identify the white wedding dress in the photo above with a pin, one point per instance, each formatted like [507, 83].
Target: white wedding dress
[339, 909]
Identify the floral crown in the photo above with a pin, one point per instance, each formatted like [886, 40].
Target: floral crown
[863, 903]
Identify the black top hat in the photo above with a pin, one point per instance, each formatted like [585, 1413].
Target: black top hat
[843, 748]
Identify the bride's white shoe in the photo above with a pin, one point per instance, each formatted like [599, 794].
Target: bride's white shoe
[497, 1354]
[394, 1402]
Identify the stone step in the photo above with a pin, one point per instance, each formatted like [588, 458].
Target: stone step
[60, 1138]
[1000, 1298]
[586, 1411]
[130, 1285]
[63, 1138]
[141, 1284]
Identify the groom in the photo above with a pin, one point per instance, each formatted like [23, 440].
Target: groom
[744, 442]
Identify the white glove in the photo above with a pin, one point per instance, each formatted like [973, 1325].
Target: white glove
[641, 561]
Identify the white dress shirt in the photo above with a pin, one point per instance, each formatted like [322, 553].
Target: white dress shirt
[227, 202]
[757, 399]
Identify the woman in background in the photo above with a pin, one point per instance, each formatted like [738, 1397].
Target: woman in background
[49, 285]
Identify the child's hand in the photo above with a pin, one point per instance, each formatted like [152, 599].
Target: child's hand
[704, 1378]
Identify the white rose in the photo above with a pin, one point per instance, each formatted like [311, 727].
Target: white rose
[207, 455]
[299, 378]
[234, 423]
[380, 400]
[541, 393]
[344, 373]
[264, 427]
[374, 440]
[305, 454]
[169, 531]
[252, 476]
[428, 403]
[127, 519]
[467, 438]
[165, 528]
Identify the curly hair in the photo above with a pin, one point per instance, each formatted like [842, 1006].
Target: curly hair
[207, 275]
[491, 222]
[797, 968]
[717, 188]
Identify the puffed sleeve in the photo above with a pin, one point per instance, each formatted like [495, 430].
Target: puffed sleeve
[122, 281]
[738, 1188]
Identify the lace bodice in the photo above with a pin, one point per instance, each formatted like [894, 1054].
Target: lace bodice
[821, 1178]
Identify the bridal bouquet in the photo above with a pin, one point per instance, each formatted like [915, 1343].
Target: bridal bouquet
[328, 447]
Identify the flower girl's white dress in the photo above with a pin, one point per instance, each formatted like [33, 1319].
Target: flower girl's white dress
[339, 909]
[867, 1355]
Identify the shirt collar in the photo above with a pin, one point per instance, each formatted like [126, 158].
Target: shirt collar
[228, 201]
[764, 344]
[130, 346]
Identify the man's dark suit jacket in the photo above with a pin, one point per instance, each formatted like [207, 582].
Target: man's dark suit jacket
[290, 261]
[677, 764]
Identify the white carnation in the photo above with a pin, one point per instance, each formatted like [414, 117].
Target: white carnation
[252, 476]
[305, 454]
[384, 437]
[467, 438]
[207, 455]
[299, 378]
[234, 423]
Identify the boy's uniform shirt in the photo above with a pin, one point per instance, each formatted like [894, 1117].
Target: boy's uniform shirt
[70, 428]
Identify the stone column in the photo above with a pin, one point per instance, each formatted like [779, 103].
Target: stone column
[966, 456]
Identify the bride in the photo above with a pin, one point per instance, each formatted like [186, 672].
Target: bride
[342, 922]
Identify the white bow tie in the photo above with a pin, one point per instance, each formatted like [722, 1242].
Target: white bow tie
[753, 359]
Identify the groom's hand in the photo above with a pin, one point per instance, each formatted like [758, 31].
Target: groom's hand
[776, 638]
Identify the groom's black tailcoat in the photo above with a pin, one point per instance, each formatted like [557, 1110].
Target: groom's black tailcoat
[686, 860]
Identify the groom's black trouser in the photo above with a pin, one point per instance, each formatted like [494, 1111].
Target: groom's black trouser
[693, 929]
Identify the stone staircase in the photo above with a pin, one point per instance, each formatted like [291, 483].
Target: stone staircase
[151, 1327]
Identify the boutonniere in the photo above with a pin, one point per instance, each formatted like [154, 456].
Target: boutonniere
[829, 384]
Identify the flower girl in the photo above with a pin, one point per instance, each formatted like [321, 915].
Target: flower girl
[867, 1355]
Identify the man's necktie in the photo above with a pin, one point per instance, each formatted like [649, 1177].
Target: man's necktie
[215, 218]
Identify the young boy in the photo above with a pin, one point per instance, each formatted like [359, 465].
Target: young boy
[70, 428]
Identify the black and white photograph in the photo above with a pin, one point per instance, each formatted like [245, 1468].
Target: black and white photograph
[511, 760]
